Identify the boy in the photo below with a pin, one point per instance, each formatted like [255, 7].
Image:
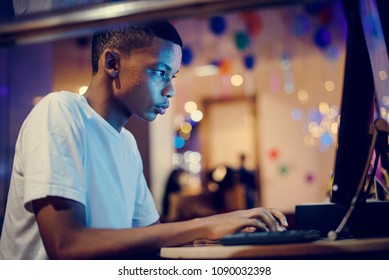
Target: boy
[77, 188]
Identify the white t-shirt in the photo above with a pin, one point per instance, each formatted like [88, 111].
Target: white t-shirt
[66, 149]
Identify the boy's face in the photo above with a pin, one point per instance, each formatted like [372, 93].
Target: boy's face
[146, 79]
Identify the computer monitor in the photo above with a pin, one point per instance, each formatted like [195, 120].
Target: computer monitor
[356, 113]
[364, 95]
[361, 109]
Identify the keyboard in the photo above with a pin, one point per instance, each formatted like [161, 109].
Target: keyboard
[263, 238]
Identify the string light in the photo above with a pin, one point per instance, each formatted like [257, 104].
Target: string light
[186, 127]
[190, 106]
[324, 107]
[303, 95]
[289, 88]
[329, 86]
[334, 128]
[237, 80]
[196, 116]
[184, 135]
[332, 112]
[179, 142]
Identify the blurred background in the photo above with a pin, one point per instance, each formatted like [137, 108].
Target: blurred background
[254, 119]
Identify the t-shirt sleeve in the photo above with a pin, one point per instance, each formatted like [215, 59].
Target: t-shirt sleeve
[52, 145]
[145, 212]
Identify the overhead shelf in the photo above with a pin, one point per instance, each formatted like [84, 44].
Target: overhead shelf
[63, 23]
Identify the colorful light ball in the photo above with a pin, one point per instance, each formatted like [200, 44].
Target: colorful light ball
[249, 61]
[253, 22]
[187, 56]
[309, 178]
[179, 142]
[242, 40]
[273, 154]
[301, 25]
[322, 38]
[218, 25]
[225, 67]
[283, 169]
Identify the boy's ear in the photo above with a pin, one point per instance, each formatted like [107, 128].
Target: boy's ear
[112, 63]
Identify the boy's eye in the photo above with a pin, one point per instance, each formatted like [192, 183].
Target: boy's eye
[163, 74]
[160, 73]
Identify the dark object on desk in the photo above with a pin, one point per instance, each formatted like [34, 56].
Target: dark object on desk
[263, 238]
[321, 217]
[370, 219]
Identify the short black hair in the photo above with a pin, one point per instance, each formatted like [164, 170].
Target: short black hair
[128, 38]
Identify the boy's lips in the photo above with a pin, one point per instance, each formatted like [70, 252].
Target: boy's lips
[161, 109]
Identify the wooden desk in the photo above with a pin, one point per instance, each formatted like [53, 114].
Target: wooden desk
[369, 248]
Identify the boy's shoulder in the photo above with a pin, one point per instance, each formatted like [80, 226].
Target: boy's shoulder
[66, 98]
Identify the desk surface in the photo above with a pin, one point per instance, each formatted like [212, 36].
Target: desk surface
[372, 247]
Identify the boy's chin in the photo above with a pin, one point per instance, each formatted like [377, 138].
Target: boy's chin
[148, 118]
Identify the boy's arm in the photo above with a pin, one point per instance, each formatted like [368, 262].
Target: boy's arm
[62, 227]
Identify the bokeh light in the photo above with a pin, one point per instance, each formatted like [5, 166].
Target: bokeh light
[330, 86]
[326, 139]
[297, 114]
[194, 167]
[177, 159]
[196, 116]
[385, 100]
[237, 80]
[314, 129]
[286, 63]
[82, 89]
[324, 107]
[383, 75]
[334, 128]
[186, 127]
[333, 112]
[184, 135]
[189, 161]
[289, 88]
[179, 142]
[190, 106]
[303, 95]
[219, 173]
